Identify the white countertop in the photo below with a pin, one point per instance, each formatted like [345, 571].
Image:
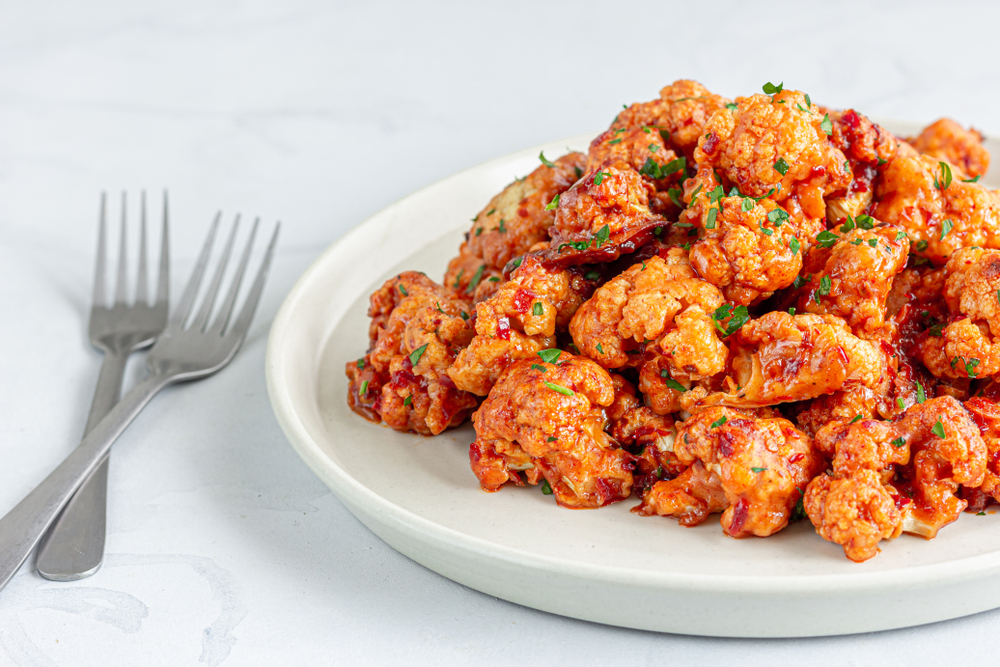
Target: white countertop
[223, 548]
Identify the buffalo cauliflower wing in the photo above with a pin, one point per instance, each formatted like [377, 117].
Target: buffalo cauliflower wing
[947, 140]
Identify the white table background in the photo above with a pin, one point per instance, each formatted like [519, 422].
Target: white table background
[223, 548]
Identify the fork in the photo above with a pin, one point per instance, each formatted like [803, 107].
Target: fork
[74, 547]
[181, 353]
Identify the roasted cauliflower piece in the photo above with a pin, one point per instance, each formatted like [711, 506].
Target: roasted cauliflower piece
[855, 276]
[867, 146]
[780, 357]
[417, 329]
[946, 140]
[926, 198]
[752, 468]
[969, 345]
[511, 223]
[642, 432]
[520, 319]
[986, 414]
[547, 420]
[679, 115]
[917, 462]
[604, 215]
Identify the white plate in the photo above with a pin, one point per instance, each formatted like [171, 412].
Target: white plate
[608, 565]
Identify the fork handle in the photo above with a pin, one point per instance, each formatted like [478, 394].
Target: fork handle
[24, 526]
[73, 548]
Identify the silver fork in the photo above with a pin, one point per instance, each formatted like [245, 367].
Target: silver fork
[74, 546]
[180, 353]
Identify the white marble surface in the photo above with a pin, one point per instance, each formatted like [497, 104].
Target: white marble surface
[222, 547]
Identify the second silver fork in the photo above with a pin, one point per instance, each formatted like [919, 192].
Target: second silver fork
[73, 548]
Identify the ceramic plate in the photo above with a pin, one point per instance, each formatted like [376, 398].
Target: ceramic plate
[608, 565]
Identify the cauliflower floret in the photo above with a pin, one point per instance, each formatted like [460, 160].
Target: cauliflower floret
[777, 146]
[938, 211]
[547, 419]
[748, 249]
[510, 224]
[856, 512]
[679, 115]
[519, 320]
[986, 414]
[968, 347]
[867, 146]
[946, 140]
[417, 329]
[780, 357]
[644, 433]
[856, 277]
[759, 465]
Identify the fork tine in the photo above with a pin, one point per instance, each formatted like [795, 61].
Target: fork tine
[122, 257]
[163, 281]
[187, 299]
[239, 328]
[99, 298]
[226, 310]
[201, 319]
[141, 292]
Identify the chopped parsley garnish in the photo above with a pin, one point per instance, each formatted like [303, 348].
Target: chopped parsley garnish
[492, 211]
[791, 311]
[722, 420]
[579, 172]
[476, 277]
[552, 204]
[716, 194]
[738, 316]
[655, 171]
[546, 488]
[672, 383]
[847, 226]
[766, 231]
[857, 418]
[479, 230]
[493, 279]
[921, 245]
[408, 400]
[826, 125]
[547, 163]
[901, 404]
[971, 180]
[857, 241]
[747, 205]
[551, 438]
[674, 194]
[865, 221]
[900, 235]
[826, 239]
[592, 275]
[464, 315]
[602, 235]
[946, 227]
[403, 290]
[417, 353]
[793, 245]
[710, 219]
[665, 135]
[537, 309]
[550, 356]
[503, 226]
[936, 330]
[694, 194]
[361, 363]
[364, 388]
[921, 396]
[945, 176]
[615, 141]
[781, 166]
[538, 367]
[732, 107]
[600, 350]
[809, 102]
[599, 177]
[771, 89]
[970, 367]
[437, 307]
[558, 388]
[938, 429]
[824, 287]
[758, 469]
[873, 243]
[778, 216]
[898, 442]
[458, 278]
[653, 148]
[801, 280]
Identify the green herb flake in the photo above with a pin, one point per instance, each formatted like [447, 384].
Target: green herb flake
[710, 219]
[938, 429]
[824, 287]
[476, 277]
[826, 239]
[801, 280]
[722, 420]
[599, 177]
[551, 206]
[408, 400]
[502, 228]
[537, 310]
[538, 367]
[921, 396]
[546, 487]
[873, 243]
[732, 107]
[674, 194]
[945, 176]
[547, 163]
[364, 388]
[758, 469]
[558, 388]
[900, 235]
[417, 353]
[901, 404]
[980, 513]
[403, 290]
[809, 102]
[592, 275]
[653, 148]
[479, 230]
[771, 89]
[672, 383]
[898, 442]
[614, 141]
[766, 231]
[665, 135]
[550, 356]
[465, 315]
[865, 222]
[856, 419]
[826, 125]
[794, 245]
[970, 367]
[936, 330]
[602, 236]
[600, 350]
[778, 216]
[781, 166]
[946, 227]
[551, 438]
[361, 363]
[972, 180]
[747, 205]
[738, 316]
[791, 311]
[458, 279]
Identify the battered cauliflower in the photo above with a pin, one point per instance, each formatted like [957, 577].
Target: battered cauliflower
[946, 140]
[511, 223]
[520, 319]
[752, 468]
[417, 329]
[986, 414]
[867, 146]
[547, 420]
